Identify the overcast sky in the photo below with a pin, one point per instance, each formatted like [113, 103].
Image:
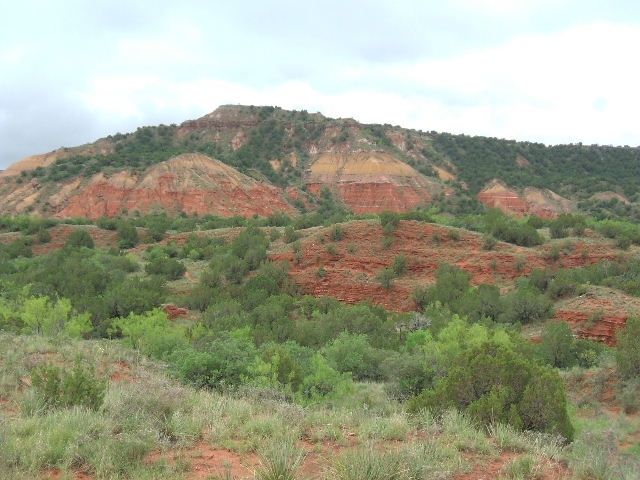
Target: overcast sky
[553, 71]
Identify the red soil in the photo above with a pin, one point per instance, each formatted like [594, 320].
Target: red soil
[350, 273]
[173, 311]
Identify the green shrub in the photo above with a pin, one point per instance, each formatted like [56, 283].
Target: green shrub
[223, 362]
[79, 238]
[290, 234]
[127, 235]
[389, 221]
[628, 350]
[385, 278]
[453, 235]
[526, 306]
[494, 384]
[557, 345]
[489, 242]
[399, 265]
[18, 248]
[337, 233]
[353, 353]
[44, 236]
[169, 268]
[75, 387]
[629, 395]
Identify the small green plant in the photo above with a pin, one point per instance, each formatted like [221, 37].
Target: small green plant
[594, 317]
[274, 234]
[453, 235]
[399, 265]
[351, 248]
[290, 234]
[568, 247]
[321, 272]
[387, 241]
[521, 262]
[385, 278]
[489, 242]
[79, 386]
[436, 239]
[331, 249]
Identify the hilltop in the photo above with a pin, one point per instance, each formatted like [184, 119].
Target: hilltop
[294, 155]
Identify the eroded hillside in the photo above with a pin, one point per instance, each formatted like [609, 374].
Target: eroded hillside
[370, 168]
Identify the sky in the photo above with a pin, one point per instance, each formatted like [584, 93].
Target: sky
[550, 71]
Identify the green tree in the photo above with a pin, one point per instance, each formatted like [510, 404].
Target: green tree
[557, 346]
[127, 235]
[451, 284]
[169, 268]
[225, 361]
[151, 332]
[352, 353]
[323, 381]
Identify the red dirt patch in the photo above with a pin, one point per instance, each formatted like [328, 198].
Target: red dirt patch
[492, 469]
[173, 311]
[60, 234]
[55, 474]
[122, 373]
[599, 313]
[205, 461]
[349, 273]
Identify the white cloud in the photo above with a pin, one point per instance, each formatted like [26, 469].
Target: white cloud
[512, 75]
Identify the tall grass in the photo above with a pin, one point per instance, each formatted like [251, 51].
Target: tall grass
[418, 461]
[280, 461]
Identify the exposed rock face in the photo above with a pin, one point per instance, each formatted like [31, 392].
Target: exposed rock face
[533, 201]
[599, 313]
[190, 183]
[371, 181]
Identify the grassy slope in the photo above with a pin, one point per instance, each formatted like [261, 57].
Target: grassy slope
[151, 427]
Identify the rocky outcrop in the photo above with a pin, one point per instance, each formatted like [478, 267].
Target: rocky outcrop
[371, 181]
[532, 201]
[189, 183]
